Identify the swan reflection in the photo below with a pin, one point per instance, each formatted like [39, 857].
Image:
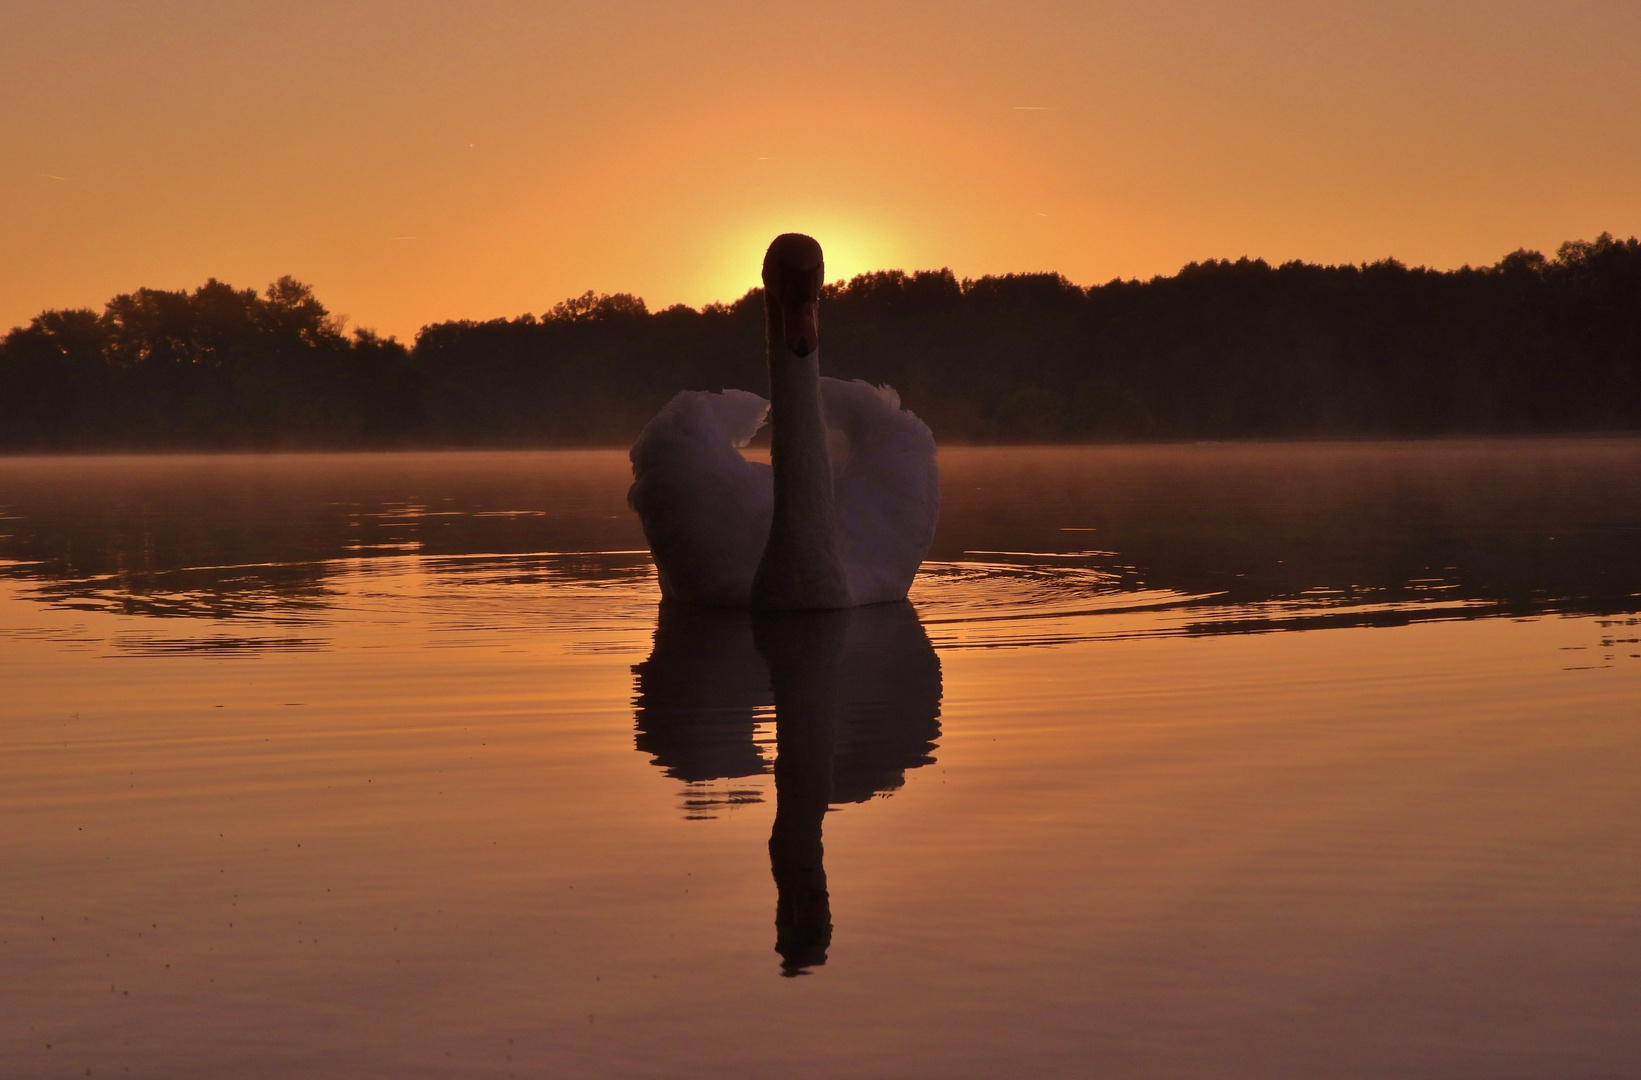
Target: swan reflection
[856, 699]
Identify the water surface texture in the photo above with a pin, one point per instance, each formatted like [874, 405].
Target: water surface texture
[1206, 761]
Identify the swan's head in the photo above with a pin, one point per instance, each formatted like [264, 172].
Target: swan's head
[793, 272]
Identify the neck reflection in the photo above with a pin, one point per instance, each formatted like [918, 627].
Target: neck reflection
[856, 699]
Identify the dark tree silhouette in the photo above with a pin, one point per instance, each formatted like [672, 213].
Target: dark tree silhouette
[1222, 349]
[216, 368]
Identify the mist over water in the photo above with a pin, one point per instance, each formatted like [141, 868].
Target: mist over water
[1244, 533]
[394, 765]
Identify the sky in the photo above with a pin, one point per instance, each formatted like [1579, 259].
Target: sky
[418, 161]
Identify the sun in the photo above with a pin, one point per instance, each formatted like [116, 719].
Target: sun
[852, 245]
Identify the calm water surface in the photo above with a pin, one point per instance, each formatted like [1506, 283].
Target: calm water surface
[1210, 761]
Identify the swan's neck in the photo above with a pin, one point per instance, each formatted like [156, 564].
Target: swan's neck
[801, 567]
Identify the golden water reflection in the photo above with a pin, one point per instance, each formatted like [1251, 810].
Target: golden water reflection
[326, 766]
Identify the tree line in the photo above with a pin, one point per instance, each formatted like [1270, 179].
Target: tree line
[1222, 349]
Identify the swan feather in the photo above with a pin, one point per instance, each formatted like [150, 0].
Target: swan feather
[706, 510]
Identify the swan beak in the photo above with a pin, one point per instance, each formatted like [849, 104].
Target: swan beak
[801, 327]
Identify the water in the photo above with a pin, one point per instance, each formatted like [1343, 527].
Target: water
[1211, 761]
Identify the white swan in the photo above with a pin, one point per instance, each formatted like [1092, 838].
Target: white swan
[824, 526]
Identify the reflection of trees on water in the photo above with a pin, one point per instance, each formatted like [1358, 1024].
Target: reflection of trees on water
[1328, 530]
[856, 698]
[214, 537]
[1513, 527]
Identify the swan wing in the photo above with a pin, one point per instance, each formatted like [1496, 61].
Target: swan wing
[888, 487]
[705, 509]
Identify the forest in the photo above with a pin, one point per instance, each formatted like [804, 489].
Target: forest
[1223, 349]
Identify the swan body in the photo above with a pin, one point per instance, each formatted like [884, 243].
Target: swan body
[844, 513]
[706, 510]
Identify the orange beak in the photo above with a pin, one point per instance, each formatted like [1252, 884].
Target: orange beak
[801, 328]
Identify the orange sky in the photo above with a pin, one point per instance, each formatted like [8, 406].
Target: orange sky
[417, 161]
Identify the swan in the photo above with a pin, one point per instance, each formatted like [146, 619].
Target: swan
[841, 517]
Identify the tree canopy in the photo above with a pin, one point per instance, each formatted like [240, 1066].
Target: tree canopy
[1222, 349]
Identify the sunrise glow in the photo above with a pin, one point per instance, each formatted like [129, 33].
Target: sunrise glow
[417, 162]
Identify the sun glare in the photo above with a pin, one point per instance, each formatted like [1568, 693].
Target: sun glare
[852, 247]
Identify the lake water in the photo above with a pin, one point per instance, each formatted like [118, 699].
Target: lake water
[1206, 761]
